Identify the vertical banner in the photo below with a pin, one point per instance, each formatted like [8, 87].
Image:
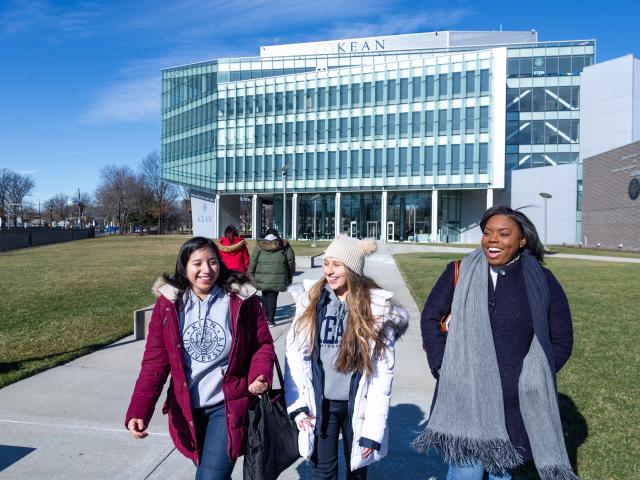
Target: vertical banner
[205, 218]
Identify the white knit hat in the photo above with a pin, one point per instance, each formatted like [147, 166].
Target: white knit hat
[351, 251]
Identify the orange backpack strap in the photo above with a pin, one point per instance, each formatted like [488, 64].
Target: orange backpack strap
[456, 272]
[444, 321]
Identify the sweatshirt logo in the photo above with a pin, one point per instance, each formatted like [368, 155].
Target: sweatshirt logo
[332, 331]
[204, 345]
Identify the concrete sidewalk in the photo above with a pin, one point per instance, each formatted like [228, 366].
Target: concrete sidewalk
[67, 422]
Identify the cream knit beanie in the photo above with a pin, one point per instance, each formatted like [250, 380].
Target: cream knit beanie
[351, 251]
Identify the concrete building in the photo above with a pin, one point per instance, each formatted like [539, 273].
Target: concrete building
[406, 137]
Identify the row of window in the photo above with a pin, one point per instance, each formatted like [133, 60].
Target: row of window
[416, 89]
[551, 66]
[180, 90]
[543, 99]
[542, 132]
[452, 159]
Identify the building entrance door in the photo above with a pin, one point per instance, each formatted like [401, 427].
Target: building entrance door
[372, 230]
[391, 231]
[353, 229]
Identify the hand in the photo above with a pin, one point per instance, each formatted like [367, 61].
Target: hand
[305, 422]
[366, 452]
[259, 385]
[137, 427]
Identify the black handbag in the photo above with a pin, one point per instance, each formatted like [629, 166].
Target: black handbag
[272, 440]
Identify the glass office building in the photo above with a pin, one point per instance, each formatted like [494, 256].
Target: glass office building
[406, 137]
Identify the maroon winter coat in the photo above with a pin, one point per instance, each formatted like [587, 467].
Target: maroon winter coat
[251, 355]
[234, 255]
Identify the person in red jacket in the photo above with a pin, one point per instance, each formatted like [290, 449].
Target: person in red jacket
[233, 250]
[208, 330]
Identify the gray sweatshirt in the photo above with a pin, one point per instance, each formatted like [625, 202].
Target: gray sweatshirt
[206, 339]
[334, 323]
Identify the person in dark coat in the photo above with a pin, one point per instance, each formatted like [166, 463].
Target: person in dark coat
[272, 265]
[209, 332]
[233, 250]
[517, 320]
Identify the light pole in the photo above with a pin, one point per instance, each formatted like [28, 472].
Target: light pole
[546, 196]
[314, 199]
[284, 201]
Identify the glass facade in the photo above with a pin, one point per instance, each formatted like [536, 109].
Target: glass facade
[406, 122]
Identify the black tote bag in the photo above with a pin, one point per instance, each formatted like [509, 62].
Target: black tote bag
[272, 440]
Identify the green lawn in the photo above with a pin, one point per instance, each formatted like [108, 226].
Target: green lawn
[600, 386]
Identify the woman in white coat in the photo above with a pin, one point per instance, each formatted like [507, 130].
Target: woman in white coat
[339, 363]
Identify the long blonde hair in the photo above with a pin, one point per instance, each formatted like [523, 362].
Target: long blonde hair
[362, 328]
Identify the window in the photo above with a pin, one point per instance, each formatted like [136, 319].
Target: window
[379, 126]
[469, 120]
[366, 93]
[280, 102]
[230, 105]
[320, 165]
[366, 126]
[239, 105]
[470, 80]
[248, 104]
[310, 132]
[404, 125]
[321, 133]
[391, 90]
[268, 135]
[366, 163]
[299, 133]
[484, 157]
[343, 164]
[415, 124]
[332, 130]
[484, 80]
[391, 124]
[391, 160]
[455, 121]
[416, 84]
[415, 160]
[355, 95]
[430, 86]
[377, 162]
[299, 174]
[344, 129]
[354, 162]
[379, 86]
[442, 159]
[484, 119]
[300, 104]
[268, 167]
[404, 89]
[455, 159]
[355, 128]
[259, 136]
[310, 99]
[279, 135]
[456, 84]
[322, 97]
[258, 166]
[403, 162]
[442, 122]
[333, 93]
[332, 164]
[269, 103]
[309, 173]
[428, 123]
[428, 160]
[442, 85]
[288, 133]
[344, 95]
[468, 158]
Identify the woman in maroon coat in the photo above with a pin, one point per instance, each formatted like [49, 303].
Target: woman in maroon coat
[233, 250]
[209, 332]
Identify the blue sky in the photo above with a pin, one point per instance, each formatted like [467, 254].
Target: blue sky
[80, 81]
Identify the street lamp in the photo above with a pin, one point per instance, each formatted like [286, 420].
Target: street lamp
[545, 196]
[50, 215]
[314, 199]
[284, 201]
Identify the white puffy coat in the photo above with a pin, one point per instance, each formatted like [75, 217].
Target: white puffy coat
[372, 398]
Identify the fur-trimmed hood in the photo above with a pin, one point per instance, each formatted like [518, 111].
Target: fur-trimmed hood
[162, 288]
[383, 305]
[227, 247]
[273, 245]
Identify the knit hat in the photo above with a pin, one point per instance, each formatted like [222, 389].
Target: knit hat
[351, 251]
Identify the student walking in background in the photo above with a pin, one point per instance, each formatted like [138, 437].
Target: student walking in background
[509, 333]
[209, 332]
[272, 265]
[233, 250]
[339, 363]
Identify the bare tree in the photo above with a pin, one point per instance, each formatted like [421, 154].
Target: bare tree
[14, 188]
[58, 207]
[115, 194]
[164, 193]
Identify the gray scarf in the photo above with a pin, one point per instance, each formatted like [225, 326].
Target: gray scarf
[468, 422]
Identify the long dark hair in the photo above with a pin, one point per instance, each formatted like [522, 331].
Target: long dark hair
[230, 233]
[527, 228]
[226, 277]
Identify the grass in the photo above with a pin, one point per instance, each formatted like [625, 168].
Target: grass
[593, 251]
[600, 385]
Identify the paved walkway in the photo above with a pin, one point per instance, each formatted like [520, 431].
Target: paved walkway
[67, 422]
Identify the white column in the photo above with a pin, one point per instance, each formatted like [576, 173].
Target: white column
[489, 197]
[434, 216]
[255, 221]
[383, 217]
[216, 209]
[337, 225]
[294, 216]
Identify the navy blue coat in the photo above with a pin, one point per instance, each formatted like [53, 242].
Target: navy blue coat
[512, 330]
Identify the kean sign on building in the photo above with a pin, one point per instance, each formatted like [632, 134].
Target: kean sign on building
[204, 215]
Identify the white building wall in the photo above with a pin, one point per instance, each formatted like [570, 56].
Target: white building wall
[561, 182]
[608, 102]
[229, 212]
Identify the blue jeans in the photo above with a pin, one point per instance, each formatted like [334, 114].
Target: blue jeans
[324, 461]
[215, 463]
[473, 473]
